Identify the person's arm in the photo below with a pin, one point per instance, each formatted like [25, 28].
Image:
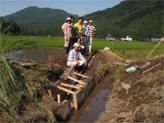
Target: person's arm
[76, 30]
[82, 58]
[62, 27]
[94, 31]
[87, 32]
[66, 32]
[73, 29]
[70, 57]
[76, 61]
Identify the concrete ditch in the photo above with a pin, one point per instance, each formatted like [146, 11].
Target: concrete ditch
[66, 107]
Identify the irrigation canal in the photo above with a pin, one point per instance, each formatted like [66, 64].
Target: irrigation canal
[93, 106]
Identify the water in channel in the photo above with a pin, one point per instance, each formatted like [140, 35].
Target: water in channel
[30, 54]
[93, 106]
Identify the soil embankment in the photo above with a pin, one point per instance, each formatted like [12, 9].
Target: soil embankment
[143, 101]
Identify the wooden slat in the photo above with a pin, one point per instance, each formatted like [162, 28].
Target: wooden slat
[155, 47]
[81, 75]
[79, 81]
[71, 86]
[152, 67]
[58, 98]
[50, 93]
[75, 101]
[64, 89]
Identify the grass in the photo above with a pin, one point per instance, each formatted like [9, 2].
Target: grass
[117, 72]
[97, 43]
[11, 83]
[14, 87]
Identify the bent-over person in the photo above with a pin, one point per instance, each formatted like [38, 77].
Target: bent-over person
[75, 57]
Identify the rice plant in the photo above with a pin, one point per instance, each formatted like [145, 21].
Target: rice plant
[10, 83]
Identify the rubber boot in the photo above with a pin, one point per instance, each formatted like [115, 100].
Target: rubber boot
[90, 48]
[67, 50]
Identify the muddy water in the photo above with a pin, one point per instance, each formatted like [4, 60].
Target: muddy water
[31, 54]
[94, 105]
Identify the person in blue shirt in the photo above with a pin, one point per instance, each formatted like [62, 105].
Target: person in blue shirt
[85, 36]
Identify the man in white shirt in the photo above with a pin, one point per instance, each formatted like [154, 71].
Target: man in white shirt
[75, 57]
[90, 32]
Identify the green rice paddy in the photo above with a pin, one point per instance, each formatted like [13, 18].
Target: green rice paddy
[97, 43]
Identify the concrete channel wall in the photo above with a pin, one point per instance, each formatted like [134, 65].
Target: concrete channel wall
[65, 108]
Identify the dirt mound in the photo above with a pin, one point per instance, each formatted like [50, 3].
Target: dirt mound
[57, 61]
[107, 59]
[138, 96]
[142, 102]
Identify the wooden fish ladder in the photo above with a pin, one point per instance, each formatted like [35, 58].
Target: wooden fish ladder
[64, 87]
[80, 84]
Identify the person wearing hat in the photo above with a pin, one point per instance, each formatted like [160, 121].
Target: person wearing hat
[85, 36]
[78, 30]
[75, 57]
[90, 32]
[73, 32]
[67, 34]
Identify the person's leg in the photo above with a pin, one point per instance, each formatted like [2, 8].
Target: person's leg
[71, 64]
[90, 43]
[85, 44]
[66, 46]
[69, 44]
[81, 62]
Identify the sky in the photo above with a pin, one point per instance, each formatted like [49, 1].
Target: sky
[79, 7]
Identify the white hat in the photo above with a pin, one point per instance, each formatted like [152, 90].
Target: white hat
[68, 19]
[85, 21]
[76, 45]
[90, 21]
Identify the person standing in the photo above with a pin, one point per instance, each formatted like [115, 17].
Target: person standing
[75, 57]
[73, 31]
[67, 34]
[72, 20]
[90, 32]
[78, 30]
[84, 36]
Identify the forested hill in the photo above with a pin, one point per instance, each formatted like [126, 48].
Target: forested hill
[34, 16]
[141, 18]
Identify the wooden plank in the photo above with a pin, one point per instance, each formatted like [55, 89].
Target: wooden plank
[152, 67]
[58, 98]
[71, 86]
[155, 47]
[64, 89]
[81, 75]
[50, 93]
[79, 81]
[75, 101]
[80, 86]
